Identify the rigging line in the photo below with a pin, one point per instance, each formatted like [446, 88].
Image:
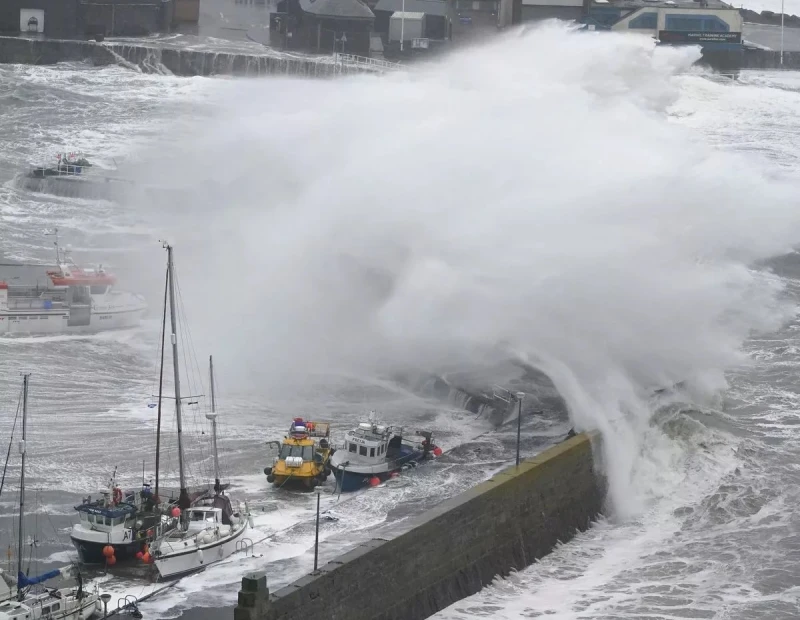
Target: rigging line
[10, 443]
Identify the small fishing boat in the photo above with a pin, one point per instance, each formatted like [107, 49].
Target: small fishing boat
[209, 530]
[303, 457]
[375, 452]
[69, 165]
[119, 525]
[32, 601]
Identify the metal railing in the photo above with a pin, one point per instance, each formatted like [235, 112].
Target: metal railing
[363, 61]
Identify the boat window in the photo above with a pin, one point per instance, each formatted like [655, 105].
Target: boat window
[46, 610]
[84, 516]
[118, 520]
[108, 521]
[55, 607]
[353, 448]
[304, 452]
[197, 516]
[98, 289]
[372, 451]
[363, 451]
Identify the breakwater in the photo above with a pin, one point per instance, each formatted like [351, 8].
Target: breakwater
[732, 60]
[450, 551]
[177, 60]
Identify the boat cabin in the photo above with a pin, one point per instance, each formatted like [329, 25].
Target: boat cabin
[372, 442]
[202, 518]
[105, 519]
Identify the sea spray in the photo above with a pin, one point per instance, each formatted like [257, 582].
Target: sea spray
[532, 191]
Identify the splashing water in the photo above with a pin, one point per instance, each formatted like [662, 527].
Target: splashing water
[531, 192]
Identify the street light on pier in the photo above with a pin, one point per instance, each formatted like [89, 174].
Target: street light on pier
[520, 396]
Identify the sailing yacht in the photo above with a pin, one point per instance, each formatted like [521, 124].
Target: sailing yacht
[210, 529]
[32, 602]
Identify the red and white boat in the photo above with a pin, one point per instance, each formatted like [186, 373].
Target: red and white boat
[72, 300]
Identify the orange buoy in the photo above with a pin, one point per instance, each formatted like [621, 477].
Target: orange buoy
[176, 512]
[146, 557]
[437, 451]
[139, 555]
[374, 481]
[111, 560]
[108, 551]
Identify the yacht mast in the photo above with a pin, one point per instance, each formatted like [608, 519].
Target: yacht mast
[22, 480]
[161, 385]
[213, 417]
[183, 500]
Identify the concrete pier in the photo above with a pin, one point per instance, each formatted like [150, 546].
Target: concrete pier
[450, 551]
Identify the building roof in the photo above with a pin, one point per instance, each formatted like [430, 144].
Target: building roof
[440, 8]
[407, 15]
[665, 4]
[341, 9]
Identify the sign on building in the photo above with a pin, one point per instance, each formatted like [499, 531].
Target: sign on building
[676, 36]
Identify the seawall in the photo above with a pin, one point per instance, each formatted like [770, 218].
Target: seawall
[450, 551]
[177, 60]
[730, 60]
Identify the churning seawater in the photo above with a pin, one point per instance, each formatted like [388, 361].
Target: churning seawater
[584, 202]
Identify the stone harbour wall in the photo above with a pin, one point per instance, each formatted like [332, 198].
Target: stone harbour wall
[450, 551]
[176, 61]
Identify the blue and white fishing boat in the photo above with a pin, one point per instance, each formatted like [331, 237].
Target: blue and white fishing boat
[375, 452]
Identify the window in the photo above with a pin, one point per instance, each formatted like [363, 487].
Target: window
[372, 452]
[645, 21]
[55, 607]
[97, 289]
[352, 448]
[33, 25]
[696, 23]
[362, 450]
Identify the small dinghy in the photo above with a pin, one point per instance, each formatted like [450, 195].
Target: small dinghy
[375, 452]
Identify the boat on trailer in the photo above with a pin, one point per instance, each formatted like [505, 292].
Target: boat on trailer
[373, 453]
[71, 300]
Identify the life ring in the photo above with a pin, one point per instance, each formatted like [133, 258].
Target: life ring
[117, 495]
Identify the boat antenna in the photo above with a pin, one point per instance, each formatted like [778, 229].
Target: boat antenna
[213, 417]
[55, 243]
[22, 481]
[161, 384]
[183, 500]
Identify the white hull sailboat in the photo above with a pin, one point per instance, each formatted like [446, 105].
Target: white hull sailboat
[210, 530]
[32, 601]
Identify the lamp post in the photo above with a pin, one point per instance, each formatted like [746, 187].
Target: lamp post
[316, 534]
[402, 24]
[782, 1]
[520, 396]
[105, 597]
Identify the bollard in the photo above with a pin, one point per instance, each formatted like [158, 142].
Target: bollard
[253, 598]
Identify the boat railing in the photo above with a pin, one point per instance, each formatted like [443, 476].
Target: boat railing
[245, 545]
